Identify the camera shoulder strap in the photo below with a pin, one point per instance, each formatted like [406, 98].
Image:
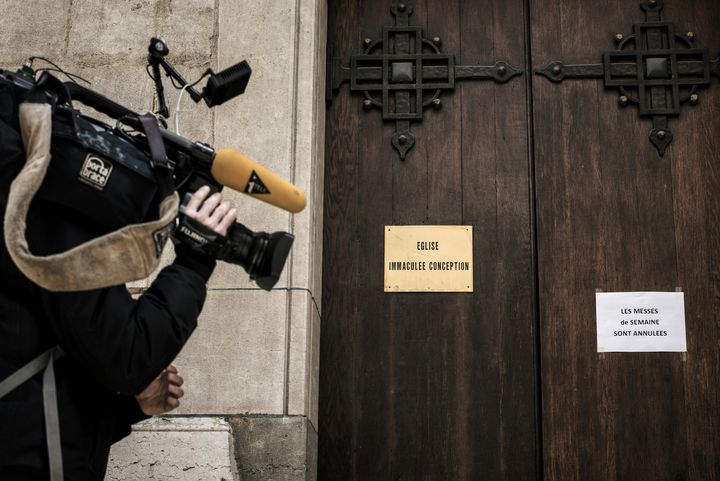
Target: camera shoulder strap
[44, 361]
[161, 165]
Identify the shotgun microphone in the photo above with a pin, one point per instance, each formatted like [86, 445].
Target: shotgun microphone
[233, 169]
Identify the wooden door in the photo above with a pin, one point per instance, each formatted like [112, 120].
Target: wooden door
[614, 215]
[430, 386]
[566, 195]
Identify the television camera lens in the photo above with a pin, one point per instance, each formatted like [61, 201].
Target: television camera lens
[262, 255]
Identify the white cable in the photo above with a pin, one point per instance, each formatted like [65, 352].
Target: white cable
[177, 109]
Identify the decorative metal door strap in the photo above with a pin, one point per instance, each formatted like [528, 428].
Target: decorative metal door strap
[660, 72]
[406, 75]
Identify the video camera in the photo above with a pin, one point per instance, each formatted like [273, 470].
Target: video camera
[189, 164]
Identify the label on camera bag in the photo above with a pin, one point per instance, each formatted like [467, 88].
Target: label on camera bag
[95, 171]
[161, 236]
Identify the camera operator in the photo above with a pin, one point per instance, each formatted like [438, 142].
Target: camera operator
[116, 368]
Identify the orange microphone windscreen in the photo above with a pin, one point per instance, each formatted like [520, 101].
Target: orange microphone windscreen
[233, 169]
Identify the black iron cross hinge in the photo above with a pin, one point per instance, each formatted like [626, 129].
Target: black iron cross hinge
[404, 73]
[656, 68]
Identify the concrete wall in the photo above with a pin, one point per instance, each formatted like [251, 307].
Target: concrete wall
[251, 368]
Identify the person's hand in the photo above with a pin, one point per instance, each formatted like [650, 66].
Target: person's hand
[163, 394]
[212, 212]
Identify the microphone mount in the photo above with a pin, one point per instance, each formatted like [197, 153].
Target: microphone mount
[220, 88]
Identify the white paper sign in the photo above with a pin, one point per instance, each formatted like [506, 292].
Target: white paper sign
[640, 322]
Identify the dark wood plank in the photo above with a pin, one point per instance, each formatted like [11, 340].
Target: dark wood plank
[479, 343]
[515, 281]
[696, 187]
[407, 314]
[496, 201]
[339, 371]
[377, 408]
[447, 314]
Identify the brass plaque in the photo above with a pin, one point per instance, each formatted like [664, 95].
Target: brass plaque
[428, 258]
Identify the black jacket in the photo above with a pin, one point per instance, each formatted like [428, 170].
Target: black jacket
[115, 345]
